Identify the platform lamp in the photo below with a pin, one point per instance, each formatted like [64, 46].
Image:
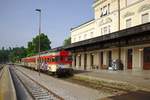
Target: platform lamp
[39, 61]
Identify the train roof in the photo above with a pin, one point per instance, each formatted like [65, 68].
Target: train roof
[53, 51]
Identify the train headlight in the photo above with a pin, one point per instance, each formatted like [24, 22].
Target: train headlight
[61, 66]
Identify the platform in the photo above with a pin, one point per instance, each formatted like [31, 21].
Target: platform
[7, 90]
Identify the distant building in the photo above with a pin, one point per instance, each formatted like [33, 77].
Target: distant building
[120, 30]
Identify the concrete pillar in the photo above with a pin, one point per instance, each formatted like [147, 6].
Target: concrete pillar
[137, 59]
[73, 60]
[124, 55]
[141, 57]
[105, 59]
[88, 61]
[115, 53]
[96, 59]
[82, 61]
[77, 61]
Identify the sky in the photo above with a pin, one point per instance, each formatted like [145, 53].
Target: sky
[19, 20]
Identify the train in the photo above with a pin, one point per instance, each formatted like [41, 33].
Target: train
[58, 62]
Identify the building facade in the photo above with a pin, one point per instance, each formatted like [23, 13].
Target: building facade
[119, 30]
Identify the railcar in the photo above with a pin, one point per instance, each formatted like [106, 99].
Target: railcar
[57, 62]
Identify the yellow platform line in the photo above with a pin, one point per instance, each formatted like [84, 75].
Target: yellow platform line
[7, 90]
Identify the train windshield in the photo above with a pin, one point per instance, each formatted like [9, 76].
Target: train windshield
[66, 58]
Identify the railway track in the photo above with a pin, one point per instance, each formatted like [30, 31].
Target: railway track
[1, 71]
[37, 91]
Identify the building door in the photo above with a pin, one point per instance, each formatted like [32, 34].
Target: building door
[146, 62]
[79, 60]
[101, 59]
[75, 60]
[85, 61]
[109, 58]
[129, 59]
[92, 60]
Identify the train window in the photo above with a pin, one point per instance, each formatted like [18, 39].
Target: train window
[61, 58]
[53, 59]
[57, 58]
[46, 59]
[65, 58]
[70, 58]
[49, 59]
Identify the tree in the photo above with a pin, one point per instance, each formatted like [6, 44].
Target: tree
[12, 55]
[33, 47]
[17, 53]
[4, 55]
[67, 41]
[30, 49]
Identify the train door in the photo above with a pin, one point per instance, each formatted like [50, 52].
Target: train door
[129, 58]
[146, 60]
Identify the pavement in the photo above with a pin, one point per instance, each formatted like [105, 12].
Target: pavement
[67, 90]
[7, 90]
[140, 79]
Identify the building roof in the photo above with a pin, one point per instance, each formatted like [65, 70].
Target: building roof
[82, 24]
[115, 35]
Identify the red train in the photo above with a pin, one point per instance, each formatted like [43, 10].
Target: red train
[57, 62]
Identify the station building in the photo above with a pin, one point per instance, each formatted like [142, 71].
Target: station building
[119, 30]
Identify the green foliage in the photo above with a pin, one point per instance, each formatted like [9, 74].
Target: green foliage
[67, 41]
[33, 47]
[4, 55]
[15, 54]
[12, 55]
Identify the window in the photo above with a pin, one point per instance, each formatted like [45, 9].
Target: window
[91, 34]
[53, 59]
[108, 8]
[79, 38]
[101, 31]
[128, 23]
[109, 29]
[105, 10]
[70, 58]
[57, 58]
[129, 2]
[47, 60]
[105, 30]
[145, 18]
[85, 36]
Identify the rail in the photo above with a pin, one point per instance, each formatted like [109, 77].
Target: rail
[35, 89]
[1, 71]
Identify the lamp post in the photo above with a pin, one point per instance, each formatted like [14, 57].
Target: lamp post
[39, 61]
[119, 49]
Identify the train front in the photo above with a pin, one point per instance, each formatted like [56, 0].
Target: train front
[65, 63]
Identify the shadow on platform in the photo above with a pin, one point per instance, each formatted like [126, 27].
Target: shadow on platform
[137, 95]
